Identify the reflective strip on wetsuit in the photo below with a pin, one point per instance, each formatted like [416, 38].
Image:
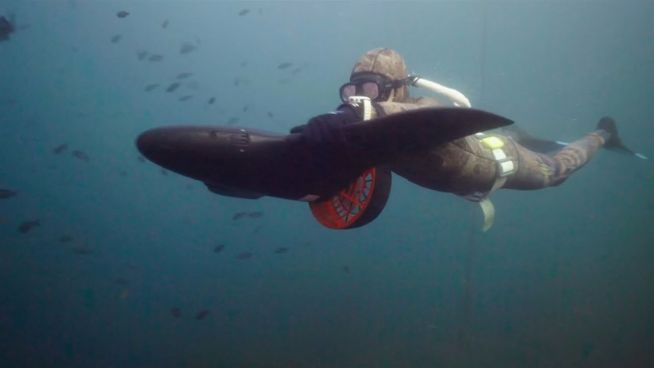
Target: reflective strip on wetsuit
[505, 167]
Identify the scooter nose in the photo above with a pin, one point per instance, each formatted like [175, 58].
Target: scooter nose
[183, 150]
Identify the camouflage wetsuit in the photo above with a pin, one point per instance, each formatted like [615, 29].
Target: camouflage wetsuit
[467, 166]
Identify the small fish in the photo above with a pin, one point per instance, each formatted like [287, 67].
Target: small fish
[218, 248]
[116, 38]
[233, 120]
[8, 102]
[244, 256]
[155, 57]
[164, 24]
[151, 87]
[243, 64]
[164, 172]
[284, 65]
[346, 269]
[243, 12]
[270, 114]
[142, 54]
[587, 349]
[80, 155]
[27, 226]
[82, 249]
[211, 100]
[65, 238]
[252, 214]
[7, 193]
[296, 70]
[176, 312]
[172, 87]
[185, 98]
[184, 75]
[187, 47]
[246, 108]
[202, 314]
[281, 250]
[122, 14]
[140, 158]
[238, 81]
[121, 281]
[60, 148]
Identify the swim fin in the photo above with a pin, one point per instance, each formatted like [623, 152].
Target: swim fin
[613, 141]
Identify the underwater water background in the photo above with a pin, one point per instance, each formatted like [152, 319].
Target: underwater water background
[130, 266]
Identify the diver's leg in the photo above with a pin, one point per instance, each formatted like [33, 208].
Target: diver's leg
[537, 170]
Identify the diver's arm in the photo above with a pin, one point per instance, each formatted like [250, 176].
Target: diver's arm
[326, 128]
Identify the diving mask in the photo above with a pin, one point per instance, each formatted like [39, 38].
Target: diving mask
[372, 85]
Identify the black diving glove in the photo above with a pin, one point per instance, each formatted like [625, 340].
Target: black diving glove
[327, 129]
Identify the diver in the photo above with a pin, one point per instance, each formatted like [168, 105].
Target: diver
[472, 167]
[341, 163]
[7, 27]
